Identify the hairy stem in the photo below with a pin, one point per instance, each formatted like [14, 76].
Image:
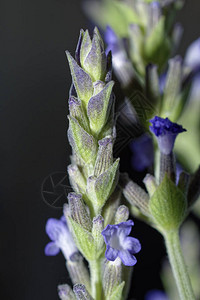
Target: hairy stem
[95, 274]
[178, 265]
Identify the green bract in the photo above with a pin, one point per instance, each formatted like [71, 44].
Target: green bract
[168, 206]
[83, 238]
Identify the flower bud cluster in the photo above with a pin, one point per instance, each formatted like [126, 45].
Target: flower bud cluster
[93, 174]
[93, 171]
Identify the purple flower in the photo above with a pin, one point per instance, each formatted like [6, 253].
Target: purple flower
[156, 295]
[111, 40]
[192, 57]
[121, 64]
[192, 61]
[143, 153]
[60, 235]
[166, 132]
[119, 244]
[162, 82]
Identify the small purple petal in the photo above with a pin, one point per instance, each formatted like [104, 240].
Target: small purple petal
[59, 233]
[51, 249]
[119, 244]
[143, 153]
[132, 245]
[126, 258]
[108, 232]
[192, 57]
[156, 295]
[111, 253]
[54, 228]
[126, 227]
[111, 40]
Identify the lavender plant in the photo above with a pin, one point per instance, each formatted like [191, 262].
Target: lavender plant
[93, 233]
[93, 213]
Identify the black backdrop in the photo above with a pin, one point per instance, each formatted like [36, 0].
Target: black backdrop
[34, 84]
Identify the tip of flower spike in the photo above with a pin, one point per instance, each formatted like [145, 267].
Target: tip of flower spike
[162, 126]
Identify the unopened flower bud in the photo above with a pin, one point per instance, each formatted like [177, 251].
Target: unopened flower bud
[104, 156]
[153, 15]
[122, 214]
[97, 228]
[112, 276]
[172, 86]
[78, 211]
[81, 292]
[134, 194]
[78, 271]
[150, 184]
[65, 292]
[77, 179]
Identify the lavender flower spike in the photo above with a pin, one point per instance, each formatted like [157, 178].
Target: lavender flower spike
[118, 244]
[60, 235]
[166, 132]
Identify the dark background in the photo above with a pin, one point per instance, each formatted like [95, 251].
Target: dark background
[34, 82]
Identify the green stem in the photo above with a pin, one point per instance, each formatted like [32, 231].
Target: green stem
[95, 274]
[178, 266]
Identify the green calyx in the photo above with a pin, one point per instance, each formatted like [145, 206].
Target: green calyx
[168, 206]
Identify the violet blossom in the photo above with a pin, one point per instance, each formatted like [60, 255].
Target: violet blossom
[61, 237]
[192, 62]
[121, 64]
[119, 244]
[156, 295]
[166, 133]
[143, 153]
